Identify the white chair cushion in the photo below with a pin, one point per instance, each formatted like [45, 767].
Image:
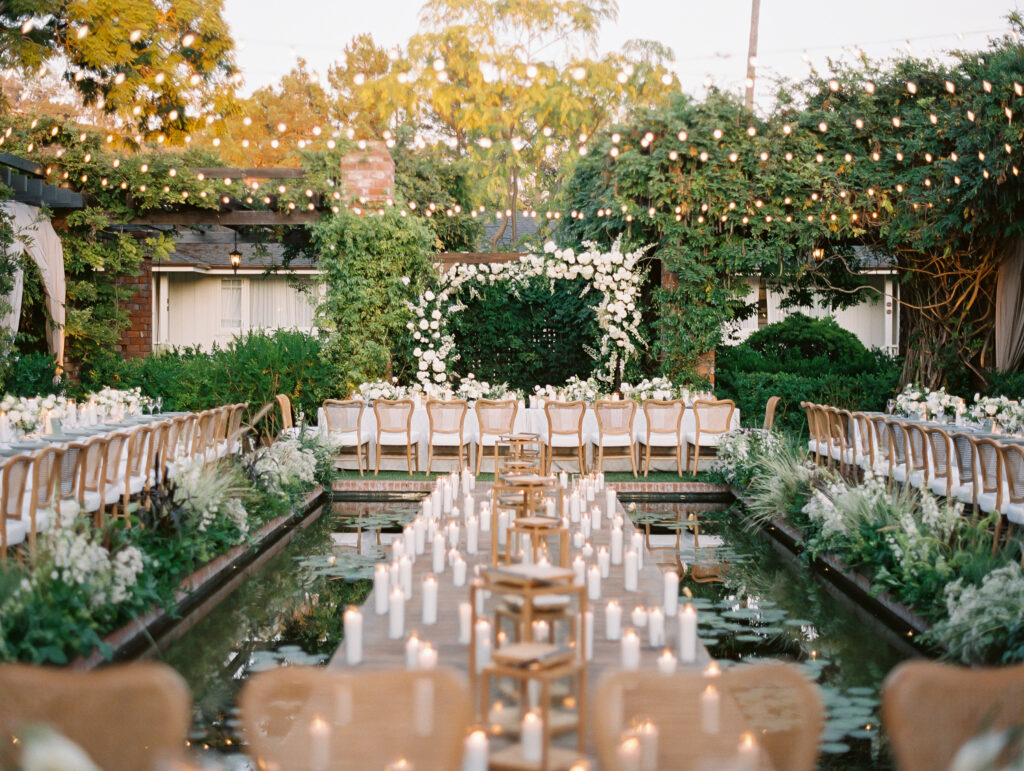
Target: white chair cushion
[663, 440]
[615, 440]
[565, 440]
[44, 519]
[439, 439]
[137, 483]
[91, 501]
[966, 492]
[1015, 513]
[16, 531]
[350, 438]
[706, 440]
[113, 493]
[69, 507]
[938, 487]
[899, 472]
[987, 502]
[489, 440]
[399, 437]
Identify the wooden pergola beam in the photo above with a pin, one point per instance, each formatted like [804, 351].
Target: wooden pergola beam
[240, 218]
[214, 172]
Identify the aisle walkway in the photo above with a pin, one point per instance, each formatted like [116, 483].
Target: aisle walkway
[381, 653]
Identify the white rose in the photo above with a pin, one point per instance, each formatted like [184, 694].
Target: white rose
[424, 324]
[991, 409]
[428, 296]
[406, 280]
[428, 355]
[437, 365]
[417, 352]
[435, 314]
[433, 324]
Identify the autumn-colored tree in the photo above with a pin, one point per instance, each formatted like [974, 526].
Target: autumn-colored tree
[159, 65]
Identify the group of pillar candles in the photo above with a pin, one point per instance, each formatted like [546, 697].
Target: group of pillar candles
[442, 527]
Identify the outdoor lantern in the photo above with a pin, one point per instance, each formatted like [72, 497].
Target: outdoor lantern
[817, 253]
[235, 256]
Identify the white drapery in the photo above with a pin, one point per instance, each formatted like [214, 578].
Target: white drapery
[34, 235]
[1010, 311]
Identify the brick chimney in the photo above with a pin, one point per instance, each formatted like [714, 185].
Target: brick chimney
[369, 173]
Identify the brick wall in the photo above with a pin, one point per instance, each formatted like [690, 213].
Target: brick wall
[369, 173]
[136, 294]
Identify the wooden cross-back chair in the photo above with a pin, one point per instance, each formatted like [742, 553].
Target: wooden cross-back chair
[298, 717]
[447, 421]
[495, 418]
[345, 429]
[394, 429]
[774, 703]
[127, 717]
[565, 431]
[664, 429]
[930, 710]
[615, 430]
[712, 420]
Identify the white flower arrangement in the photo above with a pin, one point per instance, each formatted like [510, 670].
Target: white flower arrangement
[1006, 413]
[76, 557]
[381, 389]
[615, 274]
[660, 388]
[916, 401]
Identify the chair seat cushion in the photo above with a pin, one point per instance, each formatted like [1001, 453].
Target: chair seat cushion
[439, 439]
[966, 492]
[615, 440]
[1015, 513]
[489, 440]
[938, 487]
[349, 438]
[706, 440]
[16, 531]
[662, 439]
[987, 502]
[565, 440]
[399, 437]
[91, 501]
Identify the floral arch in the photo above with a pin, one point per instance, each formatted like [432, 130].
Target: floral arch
[615, 274]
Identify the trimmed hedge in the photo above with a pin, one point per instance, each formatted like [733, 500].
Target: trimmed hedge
[803, 359]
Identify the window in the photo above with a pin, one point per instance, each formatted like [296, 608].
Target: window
[231, 303]
[276, 303]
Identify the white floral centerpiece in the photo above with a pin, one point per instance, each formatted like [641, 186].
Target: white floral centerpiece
[589, 390]
[1005, 413]
[660, 388]
[916, 401]
[118, 403]
[381, 389]
[617, 275]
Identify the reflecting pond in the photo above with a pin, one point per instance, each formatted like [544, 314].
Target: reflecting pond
[757, 602]
[754, 602]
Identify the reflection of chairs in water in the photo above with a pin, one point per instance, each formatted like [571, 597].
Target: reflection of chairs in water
[666, 548]
[706, 569]
[360, 537]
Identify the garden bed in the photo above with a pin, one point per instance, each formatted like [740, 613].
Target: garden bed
[200, 592]
[882, 606]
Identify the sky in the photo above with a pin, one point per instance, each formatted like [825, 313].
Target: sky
[708, 38]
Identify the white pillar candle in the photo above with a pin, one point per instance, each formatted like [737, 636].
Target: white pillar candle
[439, 556]
[630, 571]
[353, 621]
[585, 525]
[466, 477]
[630, 650]
[405, 575]
[688, 634]
[748, 755]
[396, 613]
[563, 480]
[595, 517]
[610, 503]
[409, 541]
[5, 427]
[587, 551]
[483, 644]
[481, 602]
[412, 651]
[459, 572]
[320, 744]
[629, 754]
[465, 622]
[574, 506]
[594, 582]
[604, 562]
[656, 627]
[431, 530]
[588, 489]
[427, 508]
[502, 527]
[453, 534]
[395, 574]
[647, 734]
[397, 549]
[429, 600]
[456, 513]
[636, 540]
[468, 505]
[709, 701]
[453, 554]
[579, 568]
[612, 620]
[485, 517]
[532, 737]
[616, 551]
[427, 657]
[446, 498]
[541, 631]
[588, 634]
[419, 526]
[381, 586]
[639, 616]
[667, 662]
[475, 752]
[670, 604]
[549, 507]
[600, 480]
[578, 540]
[472, 534]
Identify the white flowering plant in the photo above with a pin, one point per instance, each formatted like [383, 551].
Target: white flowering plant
[615, 274]
[915, 401]
[742, 452]
[1006, 413]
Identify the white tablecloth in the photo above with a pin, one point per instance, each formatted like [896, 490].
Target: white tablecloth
[531, 421]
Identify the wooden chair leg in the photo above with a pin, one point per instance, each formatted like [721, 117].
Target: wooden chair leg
[632, 459]
[479, 457]
[696, 457]
[430, 458]
[408, 457]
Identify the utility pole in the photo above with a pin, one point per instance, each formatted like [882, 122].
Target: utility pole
[755, 16]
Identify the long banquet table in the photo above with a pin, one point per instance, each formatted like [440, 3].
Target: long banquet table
[531, 421]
